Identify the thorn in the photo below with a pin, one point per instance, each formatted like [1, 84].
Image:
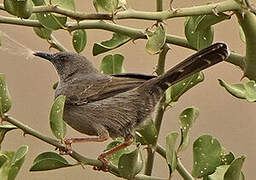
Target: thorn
[138, 144]
[242, 77]
[164, 22]
[147, 148]
[52, 45]
[243, 14]
[113, 15]
[174, 10]
[133, 41]
[53, 6]
[24, 133]
[229, 15]
[2, 118]
[170, 5]
[215, 11]
[82, 165]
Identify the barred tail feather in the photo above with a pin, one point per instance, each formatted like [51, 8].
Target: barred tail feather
[201, 60]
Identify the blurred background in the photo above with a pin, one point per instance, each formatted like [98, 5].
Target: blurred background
[30, 81]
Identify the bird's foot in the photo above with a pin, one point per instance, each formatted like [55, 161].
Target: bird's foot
[69, 151]
[105, 166]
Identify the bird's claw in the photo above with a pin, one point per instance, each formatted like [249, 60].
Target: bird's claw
[69, 151]
[105, 166]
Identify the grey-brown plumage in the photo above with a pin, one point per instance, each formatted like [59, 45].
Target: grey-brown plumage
[103, 105]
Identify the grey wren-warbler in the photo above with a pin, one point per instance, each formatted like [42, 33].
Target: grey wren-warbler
[114, 105]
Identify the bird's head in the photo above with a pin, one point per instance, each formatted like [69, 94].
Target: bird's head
[68, 64]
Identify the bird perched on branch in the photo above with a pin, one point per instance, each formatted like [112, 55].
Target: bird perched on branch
[115, 105]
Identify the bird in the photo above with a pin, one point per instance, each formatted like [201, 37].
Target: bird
[105, 106]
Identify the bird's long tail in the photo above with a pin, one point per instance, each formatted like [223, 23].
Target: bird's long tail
[201, 60]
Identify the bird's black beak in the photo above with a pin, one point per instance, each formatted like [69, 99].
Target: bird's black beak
[44, 55]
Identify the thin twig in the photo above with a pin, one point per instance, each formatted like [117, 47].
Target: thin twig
[57, 144]
[180, 168]
[228, 5]
[56, 44]
[234, 58]
[159, 111]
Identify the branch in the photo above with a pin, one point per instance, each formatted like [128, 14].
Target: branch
[57, 144]
[56, 44]
[159, 111]
[150, 161]
[180, 168]
[72, 14]
[160, 70]
[234, 58]
[237, 60]
[18, 21]
[228, 5]
[250, 6]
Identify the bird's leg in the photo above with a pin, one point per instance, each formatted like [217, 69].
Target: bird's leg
[128, 141]
[69, 141]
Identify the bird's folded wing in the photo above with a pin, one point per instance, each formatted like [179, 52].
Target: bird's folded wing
[103, 88]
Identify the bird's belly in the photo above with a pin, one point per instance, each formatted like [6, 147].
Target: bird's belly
[119, 115]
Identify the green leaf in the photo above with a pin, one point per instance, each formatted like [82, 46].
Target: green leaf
[242, 3]
[122, 4]
[55, 85]
[50, 21]
[241, 33]
[130, 164]
[198, 38]
[219, 174]
[17, 161]
[234, 170]
[156, 40]
[204, 21]
[65, 4]
[49, 161]
[114, 157]
[4, 170]
[112, 64]
[171, 155]
[147, 134]
[58, 126]
[246, 90]
[20, 8]
[5, 98]
[187, 119]
[41, 31]
[53, 21]
[3, 159]
[247, 21]
[105, 5]
[79, 40]
[116, 41]
[4, 129]
[227, 159]
[177, 90]
[12, 162]
[206, 156]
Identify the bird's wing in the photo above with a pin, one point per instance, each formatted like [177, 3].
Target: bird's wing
[86, 91]
[135, 76]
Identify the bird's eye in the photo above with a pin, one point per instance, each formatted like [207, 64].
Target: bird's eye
[62, 58]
